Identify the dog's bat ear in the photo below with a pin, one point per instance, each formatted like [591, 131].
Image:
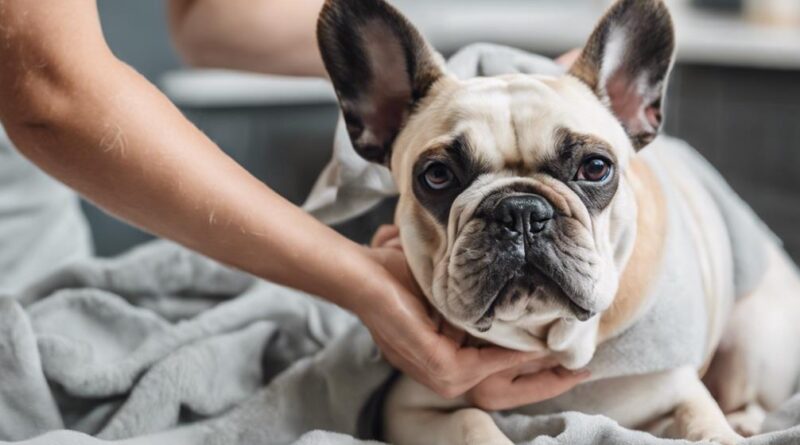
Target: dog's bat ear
[380, 67]
[627, 62]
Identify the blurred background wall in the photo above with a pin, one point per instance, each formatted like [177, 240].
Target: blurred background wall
[735, 95]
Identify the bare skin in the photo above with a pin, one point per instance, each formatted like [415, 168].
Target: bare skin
[272, 36]
[92, 122]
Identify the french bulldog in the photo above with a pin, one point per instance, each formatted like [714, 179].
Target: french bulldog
[533, 218]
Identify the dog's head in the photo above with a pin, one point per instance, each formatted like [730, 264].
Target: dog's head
[514, 200]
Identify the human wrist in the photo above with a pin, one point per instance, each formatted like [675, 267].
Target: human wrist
[377, 284]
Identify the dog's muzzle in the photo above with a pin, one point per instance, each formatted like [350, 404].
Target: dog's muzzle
[525, 214]
[514, 257]
[529, 215]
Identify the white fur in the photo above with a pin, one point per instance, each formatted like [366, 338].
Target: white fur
[615, 48]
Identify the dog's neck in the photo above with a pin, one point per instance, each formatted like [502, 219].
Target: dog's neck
[645, 260]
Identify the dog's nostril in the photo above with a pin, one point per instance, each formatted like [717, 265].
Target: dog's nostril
[524, 213]
[538, 226]
[506, 217]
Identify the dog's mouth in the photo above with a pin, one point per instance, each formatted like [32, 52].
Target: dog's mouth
[578, 310]
[581, 313]
[530, 286]
[498, 273]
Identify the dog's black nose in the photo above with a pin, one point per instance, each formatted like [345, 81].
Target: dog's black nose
[524, 213]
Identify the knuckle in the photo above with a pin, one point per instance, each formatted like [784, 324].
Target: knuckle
[484, 396]
[446, 384]
[438, 368]
[487, 405]
[449, 391]
[484, 401]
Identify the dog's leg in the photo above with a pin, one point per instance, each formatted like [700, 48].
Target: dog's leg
[682, 408]
[752, 364]
[414, 415]
[698, 417]
[748, 421]
[468, 426]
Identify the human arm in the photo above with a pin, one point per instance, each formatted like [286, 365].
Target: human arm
[267, 36]
[92, 122]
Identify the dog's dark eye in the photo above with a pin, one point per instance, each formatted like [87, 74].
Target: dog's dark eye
[594, 169]
[438, 176]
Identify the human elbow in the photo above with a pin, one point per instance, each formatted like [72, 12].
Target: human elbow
[35, 99]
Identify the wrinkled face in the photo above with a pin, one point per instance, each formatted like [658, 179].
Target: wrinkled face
[508, 190]
[515, 210]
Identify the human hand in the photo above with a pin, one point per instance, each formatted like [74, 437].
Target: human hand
[569, 58]
[529, 383]
[434, 354]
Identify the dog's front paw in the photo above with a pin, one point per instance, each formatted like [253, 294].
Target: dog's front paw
[474, 427]
[726, 438]
[721, 434]
[747, 422]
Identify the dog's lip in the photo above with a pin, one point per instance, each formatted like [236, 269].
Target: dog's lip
[581, 313]
[488, 314]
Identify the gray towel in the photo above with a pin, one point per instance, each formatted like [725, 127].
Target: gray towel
[161, 337]
[162, 346]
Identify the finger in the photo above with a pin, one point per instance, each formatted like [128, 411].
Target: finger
[394, 243]
[480, 363]
[527, 368]
[543, 385]
[502, 394]
[439, 362]
[569, 58]
[534, 366]
[494, 359]
[450, 371]
[384, 233]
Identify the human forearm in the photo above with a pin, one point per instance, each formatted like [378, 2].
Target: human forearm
[269, 36]
[126, 149]
[95, 124]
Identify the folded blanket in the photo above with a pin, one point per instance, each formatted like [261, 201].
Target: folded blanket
[163, 346]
